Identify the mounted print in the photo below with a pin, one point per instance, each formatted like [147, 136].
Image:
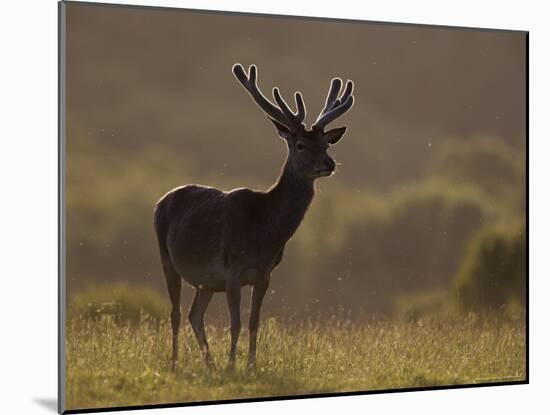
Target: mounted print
[273, 207]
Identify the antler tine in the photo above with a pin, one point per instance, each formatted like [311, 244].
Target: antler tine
[283, 105]
[334, 91]
[301, 108]
[295, 117]
[334, 113]
[347, 91]
[282, 114]
[248, 81]
[335, 107]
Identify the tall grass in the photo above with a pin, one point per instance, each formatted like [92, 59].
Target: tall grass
[110, 364]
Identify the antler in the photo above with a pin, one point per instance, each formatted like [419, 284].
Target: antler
[281, 113]
[334, 106]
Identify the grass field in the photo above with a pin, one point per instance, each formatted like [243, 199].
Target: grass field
[118, 365]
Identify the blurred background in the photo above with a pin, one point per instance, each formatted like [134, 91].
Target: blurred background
[426, 213]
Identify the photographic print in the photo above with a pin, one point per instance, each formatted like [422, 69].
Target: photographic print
[257, 207]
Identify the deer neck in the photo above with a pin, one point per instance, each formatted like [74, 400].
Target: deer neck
[289, 199]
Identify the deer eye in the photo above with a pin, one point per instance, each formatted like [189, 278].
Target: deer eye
[299, 146]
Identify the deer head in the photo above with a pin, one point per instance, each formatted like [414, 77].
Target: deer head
[307, 149]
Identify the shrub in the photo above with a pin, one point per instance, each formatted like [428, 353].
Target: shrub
[492, 273]
[485, 162]
[422, 304]
[121, 301]
[366, 250]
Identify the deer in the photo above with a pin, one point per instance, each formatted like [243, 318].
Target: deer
[221, 241]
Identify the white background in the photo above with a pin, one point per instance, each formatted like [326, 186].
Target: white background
[28, 227]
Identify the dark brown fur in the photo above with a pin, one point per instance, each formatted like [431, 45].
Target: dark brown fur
[220, 241]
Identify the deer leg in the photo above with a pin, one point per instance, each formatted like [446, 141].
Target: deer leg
[173, 283]
[258, 292]
[196, 318]
[233, 291]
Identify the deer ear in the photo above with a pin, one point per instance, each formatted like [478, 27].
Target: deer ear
[283, 130]
[333, 136]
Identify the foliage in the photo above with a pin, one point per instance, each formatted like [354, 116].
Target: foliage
[365, 250]
[123, 302]
[493, 271]
[423, 304]
[485, 162]
[358, 247]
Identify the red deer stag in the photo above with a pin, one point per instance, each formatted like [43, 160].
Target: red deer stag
[221, 241]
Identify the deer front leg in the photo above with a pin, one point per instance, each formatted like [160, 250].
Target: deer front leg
[258, 292]
[233, 291]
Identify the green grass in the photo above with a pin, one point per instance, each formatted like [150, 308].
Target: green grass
[117, 365]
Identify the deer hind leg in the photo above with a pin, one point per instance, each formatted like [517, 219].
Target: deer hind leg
[173, 283]
[233, 291]
[258, 292]
[196, 318]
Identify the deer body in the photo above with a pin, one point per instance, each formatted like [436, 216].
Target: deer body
[211, 233]
[220, 241]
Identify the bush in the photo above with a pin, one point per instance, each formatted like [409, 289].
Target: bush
[488, 163]
[120, 301]
[493, 271]
[423, 304]
[366, 250]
